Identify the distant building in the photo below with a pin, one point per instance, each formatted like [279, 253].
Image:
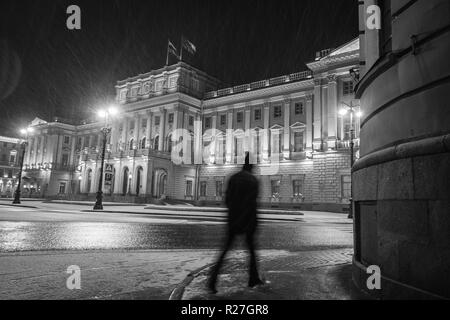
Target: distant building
[290, 125]
[9, 165]
[402, 180]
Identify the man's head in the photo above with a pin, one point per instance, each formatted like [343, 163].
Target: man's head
[247, 166]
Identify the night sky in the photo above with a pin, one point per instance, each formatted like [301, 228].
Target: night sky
[47, 70]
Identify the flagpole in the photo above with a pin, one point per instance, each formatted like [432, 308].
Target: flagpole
[181, 53]
[167, 57]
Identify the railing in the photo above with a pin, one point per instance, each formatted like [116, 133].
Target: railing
[299, 76]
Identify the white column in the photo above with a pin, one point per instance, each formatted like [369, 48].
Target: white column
[230, 138]
[309, 123]
[247, 137]
[286, 140]
[266, 134]
[162, 125]
[148, 133]
[332, 111]
[317, 144]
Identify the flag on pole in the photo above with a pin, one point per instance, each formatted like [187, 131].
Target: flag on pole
[171, 49]
[189, 46]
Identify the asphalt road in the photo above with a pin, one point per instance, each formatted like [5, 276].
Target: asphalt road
[57, 228]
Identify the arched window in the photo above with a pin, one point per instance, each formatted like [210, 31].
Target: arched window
[131, 144]
[156, 144]
[143, 143]
[169, 143]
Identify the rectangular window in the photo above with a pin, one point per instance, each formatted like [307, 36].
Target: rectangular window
[347, 88]
[299, 109]
[208, 123]
[189, 188]
[123, 94]
[159, 85]
[223, 120]
[62, 188]
[277, 112]
[203, 189]
[157, 120]
[275, 186]
[239, 117]
[219, 188]
[173, 81]
[298, 141]
[144, 123]
[66, 140]
[132, 124]
[3, 157]
[12, 158]
[65, 160]
[170, 117]
[346, 186]
[191, 120]
[257, 114]
[297, 188]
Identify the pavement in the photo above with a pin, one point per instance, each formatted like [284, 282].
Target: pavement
[314, 275]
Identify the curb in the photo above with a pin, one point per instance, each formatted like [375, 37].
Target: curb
[197, 216]
[177, 293]
[18, 205]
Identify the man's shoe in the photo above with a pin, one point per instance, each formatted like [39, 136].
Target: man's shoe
[211, 288]
[254, 283]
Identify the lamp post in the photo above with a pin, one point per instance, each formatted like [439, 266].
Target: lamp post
[350, 108]
[24, 132]
[105, 132]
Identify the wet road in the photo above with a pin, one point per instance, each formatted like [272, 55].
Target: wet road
[59, 228]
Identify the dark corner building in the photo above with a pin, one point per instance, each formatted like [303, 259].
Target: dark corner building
[401, 181]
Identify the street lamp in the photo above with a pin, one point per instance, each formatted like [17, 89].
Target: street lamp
[350, 108]
[105, 114]
[24, 133]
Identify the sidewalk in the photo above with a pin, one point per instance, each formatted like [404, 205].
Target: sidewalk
[314, 275]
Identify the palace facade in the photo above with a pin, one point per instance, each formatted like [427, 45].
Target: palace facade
[172, 117]
[9, 165]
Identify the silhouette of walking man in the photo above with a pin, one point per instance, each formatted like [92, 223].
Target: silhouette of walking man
[241, 195]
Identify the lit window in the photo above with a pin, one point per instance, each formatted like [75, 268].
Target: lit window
[275, 186]
[298, 141]
[219, 188]
[297, 188]
[189, 188]
[62, 188]
[203, 189]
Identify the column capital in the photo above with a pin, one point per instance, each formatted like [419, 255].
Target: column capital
[317, 82]
[332, 78]
[287, 99]
[309, 96]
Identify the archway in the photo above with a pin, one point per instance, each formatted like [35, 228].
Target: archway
[139, 176]
[160, 183]
[126, 173]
